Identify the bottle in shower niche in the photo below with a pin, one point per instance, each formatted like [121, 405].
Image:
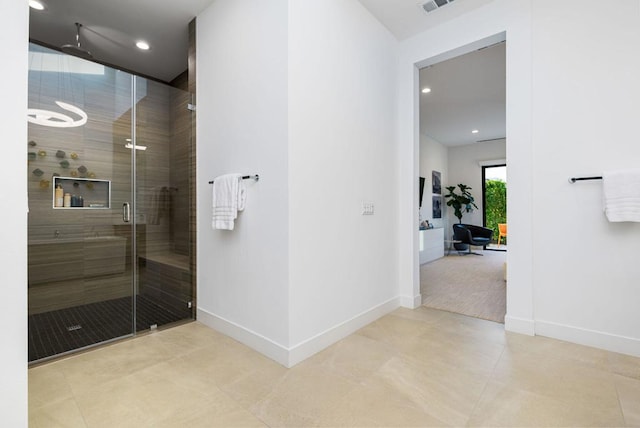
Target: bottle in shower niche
[76, 201]
[67, 199]
[59, 196]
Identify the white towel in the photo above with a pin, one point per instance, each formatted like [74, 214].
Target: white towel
[621, 191]
[228, 198]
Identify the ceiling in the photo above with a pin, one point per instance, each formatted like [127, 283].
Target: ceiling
[406, 18]
[467, 92]
[112, 27]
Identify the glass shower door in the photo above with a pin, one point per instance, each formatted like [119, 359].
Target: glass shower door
[163, 157]
[80, 188]
[110, 182]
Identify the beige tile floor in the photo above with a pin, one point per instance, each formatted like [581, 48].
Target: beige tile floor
[411, 368]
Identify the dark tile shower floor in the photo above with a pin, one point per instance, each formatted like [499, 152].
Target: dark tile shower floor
[63, 330]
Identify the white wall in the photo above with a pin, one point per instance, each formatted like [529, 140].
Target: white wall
[313, 112]
[571, 109]
[464, 168]
[585, 121]
[14, 17]
[433, 157]
[242, 127]
[342, 152]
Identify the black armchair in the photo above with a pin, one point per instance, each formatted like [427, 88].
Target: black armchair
[468, 235]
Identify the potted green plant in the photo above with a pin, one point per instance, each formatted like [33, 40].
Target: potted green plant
[462, 201]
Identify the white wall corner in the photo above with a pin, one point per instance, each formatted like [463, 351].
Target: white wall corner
[289, 357]
[520, 325]
[411, 302]
[264, 345]
[313, 345]
[596, 339]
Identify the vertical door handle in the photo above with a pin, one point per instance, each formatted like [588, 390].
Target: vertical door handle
[126, 212]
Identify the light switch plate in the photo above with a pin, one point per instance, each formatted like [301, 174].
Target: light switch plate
[367, 208]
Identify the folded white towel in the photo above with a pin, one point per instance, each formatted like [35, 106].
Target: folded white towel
[228, 198]
[621, 191]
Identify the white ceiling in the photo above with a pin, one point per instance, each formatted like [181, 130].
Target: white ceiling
[111, 28]
[406, 18]
[467, 92]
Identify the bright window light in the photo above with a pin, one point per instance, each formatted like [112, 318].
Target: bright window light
[61, 63]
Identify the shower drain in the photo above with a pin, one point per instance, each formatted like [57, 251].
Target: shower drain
[74, 327]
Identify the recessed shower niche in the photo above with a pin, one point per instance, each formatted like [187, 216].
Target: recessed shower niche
[118, 260]
[84, 193]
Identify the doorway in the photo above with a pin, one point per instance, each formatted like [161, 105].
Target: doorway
[109, 245]
[460, 128]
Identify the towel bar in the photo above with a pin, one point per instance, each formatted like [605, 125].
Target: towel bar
[574, 179]
[244, 177]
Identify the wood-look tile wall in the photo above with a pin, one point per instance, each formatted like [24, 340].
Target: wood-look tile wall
[181, 134]
[69, 248]
[62, 261]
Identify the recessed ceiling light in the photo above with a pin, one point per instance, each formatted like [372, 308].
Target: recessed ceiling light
[143, 45]
[426, 90]
[34, 4]
[475, 131]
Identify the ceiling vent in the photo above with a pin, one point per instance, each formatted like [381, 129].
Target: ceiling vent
[432, 5]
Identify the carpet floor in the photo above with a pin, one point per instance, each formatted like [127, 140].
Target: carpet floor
[55, 332]
[469, 285]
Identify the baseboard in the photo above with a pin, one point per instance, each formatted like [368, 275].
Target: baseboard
[256, 341]
[596, 339]
[289, 357]
[411, 302]
[309, 347]
[519, 325]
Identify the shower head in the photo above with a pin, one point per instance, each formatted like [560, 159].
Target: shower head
[77, 50]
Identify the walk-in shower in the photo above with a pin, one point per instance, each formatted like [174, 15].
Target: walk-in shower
[110, 205]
